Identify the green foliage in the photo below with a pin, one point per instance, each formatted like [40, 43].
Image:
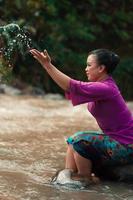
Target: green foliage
[5, 72]
[124, 78]
[69, 30]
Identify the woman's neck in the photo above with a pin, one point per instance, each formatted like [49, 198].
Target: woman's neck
[103, 77]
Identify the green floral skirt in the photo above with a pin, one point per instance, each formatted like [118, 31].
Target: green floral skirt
[100, 148]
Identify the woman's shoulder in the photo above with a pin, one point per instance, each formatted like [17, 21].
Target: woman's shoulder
[107, 86]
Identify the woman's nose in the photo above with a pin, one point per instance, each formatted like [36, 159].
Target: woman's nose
[86, 68]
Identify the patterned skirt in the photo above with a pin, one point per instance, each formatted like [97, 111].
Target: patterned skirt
[101, 149]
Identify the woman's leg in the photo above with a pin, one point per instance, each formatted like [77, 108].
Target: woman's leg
[84, 166]
[70, 161]
[77, 163]
[80, 154]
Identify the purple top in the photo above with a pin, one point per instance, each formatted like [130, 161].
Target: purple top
[107, 106]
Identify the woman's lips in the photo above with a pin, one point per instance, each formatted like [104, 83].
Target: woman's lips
[87, 74]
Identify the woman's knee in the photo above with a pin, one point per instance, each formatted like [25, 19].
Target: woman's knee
[70, 148]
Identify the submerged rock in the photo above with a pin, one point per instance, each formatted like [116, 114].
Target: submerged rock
[63, 178]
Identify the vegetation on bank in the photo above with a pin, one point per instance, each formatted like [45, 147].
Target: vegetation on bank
[69, 30]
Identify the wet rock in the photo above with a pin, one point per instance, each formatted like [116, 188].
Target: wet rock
[124, 173]
[9, 90]
[63, 178]
[120, 173]
[54, 96]
[35, 91]
[29, 90]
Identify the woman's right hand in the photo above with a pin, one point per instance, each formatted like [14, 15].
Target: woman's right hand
[42, 57]
[59, 77]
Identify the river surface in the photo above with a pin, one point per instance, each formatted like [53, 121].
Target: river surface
[32, 148]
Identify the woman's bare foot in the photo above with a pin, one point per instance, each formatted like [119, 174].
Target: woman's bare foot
[95, 179]
[86, 178]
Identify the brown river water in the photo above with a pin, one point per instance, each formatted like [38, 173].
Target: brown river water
[32, 148]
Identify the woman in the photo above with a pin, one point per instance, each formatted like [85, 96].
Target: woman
[88, 150]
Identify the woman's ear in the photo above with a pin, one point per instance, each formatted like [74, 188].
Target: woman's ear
[102, 68]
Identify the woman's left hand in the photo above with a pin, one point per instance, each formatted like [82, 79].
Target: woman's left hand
[42, 57]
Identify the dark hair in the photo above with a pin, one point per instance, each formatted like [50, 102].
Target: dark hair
[107, 58]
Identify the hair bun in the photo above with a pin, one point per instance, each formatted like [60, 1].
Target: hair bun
[115, 59]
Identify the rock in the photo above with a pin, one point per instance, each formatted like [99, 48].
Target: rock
[63, 178]
[53, 96]
[9, 90]
[35, 91]
[118, 173]
[124, 173]
[2, 90]
[28, 90]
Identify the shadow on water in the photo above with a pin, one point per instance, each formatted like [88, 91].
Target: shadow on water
[32, 149]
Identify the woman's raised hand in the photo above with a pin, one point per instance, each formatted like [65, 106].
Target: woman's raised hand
[42, 57]
[59, 77]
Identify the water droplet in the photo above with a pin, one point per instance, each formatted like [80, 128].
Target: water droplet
[16, 41]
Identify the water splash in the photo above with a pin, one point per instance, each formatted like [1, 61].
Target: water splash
[13, 41]
[10, 28]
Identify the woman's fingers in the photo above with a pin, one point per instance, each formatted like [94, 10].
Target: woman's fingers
[42, 57]
[34, 52]
[38, 54]
[45, 52]
[47, 55]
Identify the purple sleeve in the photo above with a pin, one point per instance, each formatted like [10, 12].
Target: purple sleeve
[84, 92]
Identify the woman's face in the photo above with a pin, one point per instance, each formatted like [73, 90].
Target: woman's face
[94, 71]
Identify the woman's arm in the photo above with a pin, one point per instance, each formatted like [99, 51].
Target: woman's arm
[44, 59]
